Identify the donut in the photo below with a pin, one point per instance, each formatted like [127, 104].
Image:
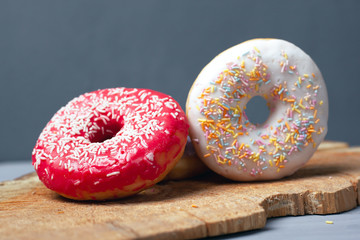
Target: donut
[110, 143]
[295, 92]
[188, 166]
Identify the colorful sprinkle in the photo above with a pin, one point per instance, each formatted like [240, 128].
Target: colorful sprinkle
[225, 123]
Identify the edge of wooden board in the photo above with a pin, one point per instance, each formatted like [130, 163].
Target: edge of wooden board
[190, 208]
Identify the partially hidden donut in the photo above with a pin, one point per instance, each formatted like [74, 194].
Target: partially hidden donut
[110, 143]
[189, 165]
[290, 82]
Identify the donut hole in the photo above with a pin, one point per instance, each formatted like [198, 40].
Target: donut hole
[257, 110]
[105, 131]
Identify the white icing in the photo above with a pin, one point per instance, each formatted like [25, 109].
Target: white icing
[297, 96]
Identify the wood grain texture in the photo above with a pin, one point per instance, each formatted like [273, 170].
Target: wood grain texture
[332, 145]
[208, 205]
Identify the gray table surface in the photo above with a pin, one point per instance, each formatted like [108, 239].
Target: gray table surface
[346, 226]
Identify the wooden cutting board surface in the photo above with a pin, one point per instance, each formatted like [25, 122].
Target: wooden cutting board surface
[208, 205]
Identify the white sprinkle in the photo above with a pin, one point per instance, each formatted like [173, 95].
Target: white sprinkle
[143, 143]
[112, 174]
[141, 92]
[170, 105]
[150, 156]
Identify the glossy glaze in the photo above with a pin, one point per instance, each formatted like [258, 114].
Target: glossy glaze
[110, 143]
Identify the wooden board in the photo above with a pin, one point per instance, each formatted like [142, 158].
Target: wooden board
[208, 205]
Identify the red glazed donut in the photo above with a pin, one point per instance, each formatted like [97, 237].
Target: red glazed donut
[110, 143]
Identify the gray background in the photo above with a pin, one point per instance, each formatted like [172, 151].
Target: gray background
[51, 52]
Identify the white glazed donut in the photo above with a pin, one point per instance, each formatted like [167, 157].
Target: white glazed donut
[290, 82]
